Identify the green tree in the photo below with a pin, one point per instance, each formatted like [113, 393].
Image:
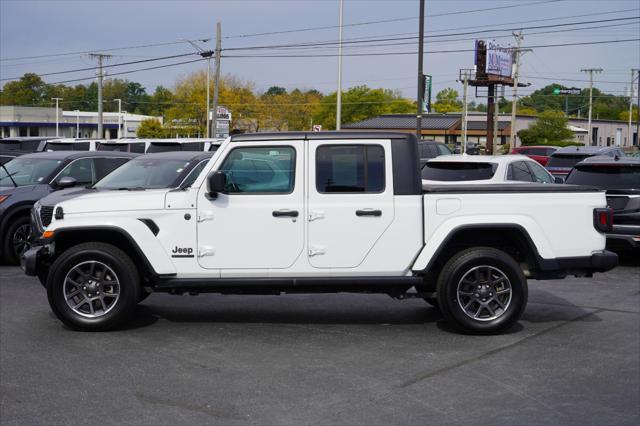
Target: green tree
[550, 128]
[151, 128]
[160, 101]
[29, 90]
[447, 100]
[359, 103]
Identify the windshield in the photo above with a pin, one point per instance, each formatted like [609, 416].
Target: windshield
[144, 174]
[27, 171]
[567, 161]
[606, 177]
[458, 171]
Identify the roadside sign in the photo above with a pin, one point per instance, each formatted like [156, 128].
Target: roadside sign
[317, 127]
[572, 91]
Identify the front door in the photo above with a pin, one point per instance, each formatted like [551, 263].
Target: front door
[351, 200]
[258, 223]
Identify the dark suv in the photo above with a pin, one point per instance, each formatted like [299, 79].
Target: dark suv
[620, 177]
[26, 179]
[562, 161]
[431, 149]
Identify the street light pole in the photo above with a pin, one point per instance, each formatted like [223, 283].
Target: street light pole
[125, 123]
[57, 115]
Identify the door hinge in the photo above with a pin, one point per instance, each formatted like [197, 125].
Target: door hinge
[315, 214]
[206, 251]
[316, 250]
[207, 215]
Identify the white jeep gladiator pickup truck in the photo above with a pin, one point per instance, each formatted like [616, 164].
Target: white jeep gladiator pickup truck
[318, 213]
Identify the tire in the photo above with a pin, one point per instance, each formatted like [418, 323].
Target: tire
[17, 232]
[494, 306]
[103, 297]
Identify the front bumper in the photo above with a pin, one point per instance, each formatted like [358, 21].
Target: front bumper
[35, 260]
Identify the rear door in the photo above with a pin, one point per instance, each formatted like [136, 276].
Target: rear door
[351, 202]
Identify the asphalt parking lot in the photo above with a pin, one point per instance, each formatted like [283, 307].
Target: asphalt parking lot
[574, 358]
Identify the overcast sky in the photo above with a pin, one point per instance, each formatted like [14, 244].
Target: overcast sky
[32, 28]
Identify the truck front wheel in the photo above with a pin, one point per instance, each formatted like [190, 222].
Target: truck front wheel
[482, 290]
[93, 287]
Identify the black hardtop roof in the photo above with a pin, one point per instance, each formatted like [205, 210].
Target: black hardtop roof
[606, 160]
[586, 150]
[246, 137]
[72, 155]
[178, 155]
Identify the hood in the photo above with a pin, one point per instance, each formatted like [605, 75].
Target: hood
[64, 195]
[113, 200]
[10, 190]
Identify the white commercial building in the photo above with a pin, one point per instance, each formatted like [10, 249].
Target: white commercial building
[38, 121]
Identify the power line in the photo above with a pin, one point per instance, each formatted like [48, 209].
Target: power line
[108, 66]
[382, 21]
[431, 52]
[131, 71]
[84, 52]
[334, 42]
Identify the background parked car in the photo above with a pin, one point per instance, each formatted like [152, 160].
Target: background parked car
[539, 153]
[620, 177]
[484, 169]
[562, 161]
[26, 179]
[431, 149]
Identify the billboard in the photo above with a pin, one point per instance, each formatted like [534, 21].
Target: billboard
[494, 59]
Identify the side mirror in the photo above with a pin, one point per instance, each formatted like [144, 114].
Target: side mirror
[558, 179]
[66, 182]
[216, 182]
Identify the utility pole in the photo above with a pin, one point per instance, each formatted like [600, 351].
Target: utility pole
[491, 110]
[638, 115]
[57, 115]
[100, 57]
[590, 71]
[216, 81]
[339, 91]
[119, 117]
[420, 72]
[464, 112]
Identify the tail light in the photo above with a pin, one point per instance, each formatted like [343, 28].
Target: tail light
[603, 219]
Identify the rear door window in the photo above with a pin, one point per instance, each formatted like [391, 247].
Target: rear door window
[350, 168]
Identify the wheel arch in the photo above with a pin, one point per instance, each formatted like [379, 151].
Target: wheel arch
[66, 238]
[511, 238]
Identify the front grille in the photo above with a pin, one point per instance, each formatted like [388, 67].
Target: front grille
[46, 213]
[617, 203]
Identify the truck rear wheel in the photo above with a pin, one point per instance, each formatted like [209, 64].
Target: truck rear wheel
[482, 290]
[93, 287]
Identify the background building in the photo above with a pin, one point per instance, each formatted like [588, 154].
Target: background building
[36, 121]
[448, 128]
